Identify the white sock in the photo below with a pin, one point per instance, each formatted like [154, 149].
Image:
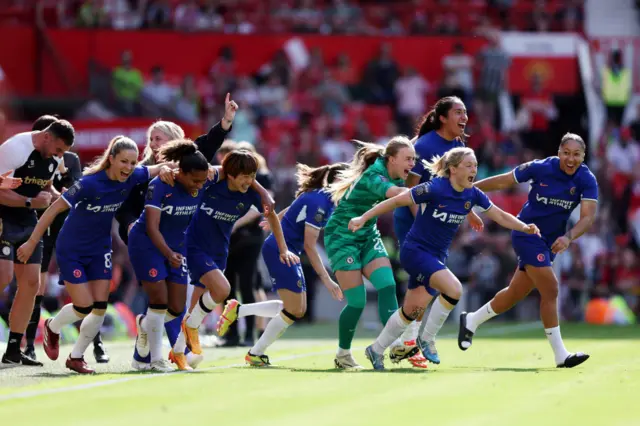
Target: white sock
[482, 315]
[153, 325]
[181, 344]
[394, 328]
[343, 352]
[88, 329]
[276, 327]
[411, 332]
[560, 352]
[437, 316]
[269, 309]
[197, 314]
[66, 316]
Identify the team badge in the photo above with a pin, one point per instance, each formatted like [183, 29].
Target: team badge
[6, 251]
[421, 189]
[150, 191]
[350, 260]
[299, 283]
[194, 193]
[541, 257]
[240, 207]
[319, 217]
[572, 191]
[467, 205]
[524, 166]
[50, 168]
[153, 272]
[75, 188]
[77, 273]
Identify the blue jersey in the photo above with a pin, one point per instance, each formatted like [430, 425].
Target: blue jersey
[94, 201]
[553, 195]
[427, 146]
[311, 208]
[177, 207]
[220, 208]
[442, 211]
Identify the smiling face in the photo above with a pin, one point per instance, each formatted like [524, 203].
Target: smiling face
[122, 164]
[53, 147]
[465, 173]
[401, 164]
[571, 156]
[157, 139]
[454, 123]
[192, 181]
[241, 182]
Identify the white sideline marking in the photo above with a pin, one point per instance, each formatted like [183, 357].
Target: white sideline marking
[496, 331]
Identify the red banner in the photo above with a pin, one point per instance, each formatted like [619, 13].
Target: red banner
[551, 55]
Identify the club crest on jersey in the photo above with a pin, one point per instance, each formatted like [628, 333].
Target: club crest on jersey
[350, 260]
[153, 272]
[6, 251]
[421, 189]
[467, 205]
[74, 189]
[299, 283]
[77, 273]
[240, 207]
[572, 191]
[319, 217]
[150, 192]
[50, 168]
[524, 166]
[540, 257]
[194, 193]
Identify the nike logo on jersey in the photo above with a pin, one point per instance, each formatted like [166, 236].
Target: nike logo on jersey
[442, 206]
[543, 184]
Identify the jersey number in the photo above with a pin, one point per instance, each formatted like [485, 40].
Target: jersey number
[107, 261]
[184, 265]
[379, 245]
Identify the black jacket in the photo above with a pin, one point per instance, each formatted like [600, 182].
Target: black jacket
[133, 206]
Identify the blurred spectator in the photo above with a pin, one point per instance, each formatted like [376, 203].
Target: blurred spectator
[127, 84]
[273, 97]
[240, 24]
[494, 62]
[570, 17]
[623, 156]
[187, 101]
[157, 91]
[333, 96]
[187, 16]
[158, 14]
[459, 66]
[484, 270]
[92, 14]
[411, 94]
[616, 87]
[538, 109]
[380, 77]
[210, 17]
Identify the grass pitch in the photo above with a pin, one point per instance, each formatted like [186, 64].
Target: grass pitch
[506, 378]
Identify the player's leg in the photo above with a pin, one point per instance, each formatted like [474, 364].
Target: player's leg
[32, 327]
[546, 282]
[151, 324]
[293, 308]
[450, 292]
[345, 259]
[28, 281]
[218, 289]
[377, 269]
[414, 304]
[177, 284]
[519, 287]
[283, 277]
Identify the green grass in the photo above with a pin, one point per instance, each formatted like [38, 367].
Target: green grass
[506, 378]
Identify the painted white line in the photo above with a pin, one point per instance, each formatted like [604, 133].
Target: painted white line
[496, 331]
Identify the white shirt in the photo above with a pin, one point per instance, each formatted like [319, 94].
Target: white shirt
[411, 92]
[15, 152]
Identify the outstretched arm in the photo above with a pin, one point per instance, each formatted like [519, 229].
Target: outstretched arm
[588, 210]
[496, 183]
[26, 250]
[402, 199]
[509, 221]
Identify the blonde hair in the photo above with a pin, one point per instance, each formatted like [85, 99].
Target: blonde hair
[262, 162]
[116, 145]
[170, 129]
[363, 158]
[439, 165]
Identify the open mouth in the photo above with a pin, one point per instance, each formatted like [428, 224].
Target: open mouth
[462, 126]
[471, 179]
[124, 175]
[406, 172]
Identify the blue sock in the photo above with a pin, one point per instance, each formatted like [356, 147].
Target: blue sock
[172, 328]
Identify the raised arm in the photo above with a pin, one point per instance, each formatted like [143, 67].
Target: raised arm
[402, 198]
[496, 183]
[588, 210]
[509, 221]
[209, 144]
[26, 250]
[311, 235]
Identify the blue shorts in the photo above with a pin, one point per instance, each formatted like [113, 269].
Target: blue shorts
[283, 277]
[149, 265]
[420, 265]
[200, 263]
[531, 250]
[78, 269]
[402, 222]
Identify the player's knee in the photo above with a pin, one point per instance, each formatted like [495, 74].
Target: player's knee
[356, 297]
[175, 310]
[451, 299]
[549, 292]
[294, 314]
[82, 311]
[99, 308]
[382, 278]
[6, 276]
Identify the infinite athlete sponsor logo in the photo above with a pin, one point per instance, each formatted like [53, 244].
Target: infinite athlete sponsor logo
[109, 208]
[565, 204]
[449, 217]
[218, 215]
[179, 210]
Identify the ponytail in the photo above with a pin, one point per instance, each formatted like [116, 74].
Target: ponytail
[186, 153]
[310, 178]
[116, 146]
[440, 164]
